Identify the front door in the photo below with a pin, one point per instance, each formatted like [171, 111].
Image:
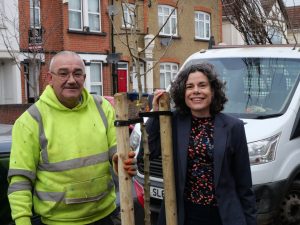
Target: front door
[122, 80]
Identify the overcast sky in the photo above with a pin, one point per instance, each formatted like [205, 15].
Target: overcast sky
[291, 2]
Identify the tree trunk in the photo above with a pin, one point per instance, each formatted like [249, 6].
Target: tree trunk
[147, 218]
[167, 161]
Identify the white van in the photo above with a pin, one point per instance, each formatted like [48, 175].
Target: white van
[263, 90]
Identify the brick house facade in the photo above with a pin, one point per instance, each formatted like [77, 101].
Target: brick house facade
[56, 34]
[47, 27]
[64, 25]
[169, 49]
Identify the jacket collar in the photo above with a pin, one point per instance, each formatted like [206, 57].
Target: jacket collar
[220, 139]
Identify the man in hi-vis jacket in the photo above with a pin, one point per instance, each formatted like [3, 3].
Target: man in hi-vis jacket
[62, 150]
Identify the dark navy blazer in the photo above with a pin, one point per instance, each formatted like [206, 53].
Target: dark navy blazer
[232, 175]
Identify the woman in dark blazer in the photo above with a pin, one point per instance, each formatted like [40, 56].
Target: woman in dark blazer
[211, 161]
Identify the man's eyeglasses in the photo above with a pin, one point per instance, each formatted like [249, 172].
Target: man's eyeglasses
[65, 75]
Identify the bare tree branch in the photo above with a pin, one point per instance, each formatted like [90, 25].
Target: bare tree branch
[258, 21]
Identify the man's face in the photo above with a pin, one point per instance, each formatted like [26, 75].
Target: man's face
[67, 76]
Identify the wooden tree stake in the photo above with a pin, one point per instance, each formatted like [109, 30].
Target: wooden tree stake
[125, 181]
[167, 161]
[147, 212]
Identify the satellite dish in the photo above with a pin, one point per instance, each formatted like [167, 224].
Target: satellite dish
[112, 10]
[165, 41]
[113, 57]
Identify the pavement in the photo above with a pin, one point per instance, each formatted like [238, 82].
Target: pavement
[139, 215]
[138, 210]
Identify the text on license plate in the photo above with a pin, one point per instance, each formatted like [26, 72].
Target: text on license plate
[156, 192]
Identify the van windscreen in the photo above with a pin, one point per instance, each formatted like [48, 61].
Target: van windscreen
[256, 87]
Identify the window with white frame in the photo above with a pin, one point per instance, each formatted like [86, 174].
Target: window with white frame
[167, 73]
[2, 9]
[169, 13]
[2, 15]
[202, 25]
[275, 35]
[84, 14]
[35, 17]
[2, 25]
[96, 84]
[129, 15]
[135, 78]
[34, 72]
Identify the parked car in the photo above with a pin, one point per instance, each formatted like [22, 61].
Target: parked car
[5, 143]
[263, 90]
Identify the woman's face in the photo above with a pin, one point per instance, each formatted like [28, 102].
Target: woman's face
[198, 94]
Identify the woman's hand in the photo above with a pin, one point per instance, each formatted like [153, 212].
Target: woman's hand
[157, 94]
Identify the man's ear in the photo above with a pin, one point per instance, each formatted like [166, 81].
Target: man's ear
[49, 78]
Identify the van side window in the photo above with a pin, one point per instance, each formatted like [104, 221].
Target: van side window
[296, 128]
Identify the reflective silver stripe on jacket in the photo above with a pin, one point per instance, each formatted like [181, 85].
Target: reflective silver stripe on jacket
[111, 152]
[74, 163]
[60, 196]
[98, 102]
[25, 173]
[19, 186]
[35, 113]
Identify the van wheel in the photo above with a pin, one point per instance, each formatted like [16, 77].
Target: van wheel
[290, 208]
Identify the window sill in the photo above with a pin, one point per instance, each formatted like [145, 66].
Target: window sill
[129, 28]
[87, 32]
[169, 36]
[200, 39]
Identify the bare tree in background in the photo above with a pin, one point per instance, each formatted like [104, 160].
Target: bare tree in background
[32, 52]
[132, 37]
[258, 21]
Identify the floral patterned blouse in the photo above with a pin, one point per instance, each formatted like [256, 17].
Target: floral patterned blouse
[199, 187]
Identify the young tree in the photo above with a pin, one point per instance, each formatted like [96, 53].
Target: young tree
[131, 35]
[132, 38]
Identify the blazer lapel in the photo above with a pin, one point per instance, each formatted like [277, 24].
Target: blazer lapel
[183, 134]
[220, 138]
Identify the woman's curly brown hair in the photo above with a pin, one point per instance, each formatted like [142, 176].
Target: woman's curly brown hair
[177, 90]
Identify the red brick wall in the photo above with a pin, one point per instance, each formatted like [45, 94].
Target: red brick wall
[107, 80]
[167, 2]
[87, 42]
[9, 113]
[24, 21]
[52, 22]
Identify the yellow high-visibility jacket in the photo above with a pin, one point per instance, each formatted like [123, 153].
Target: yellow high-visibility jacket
[60, 161]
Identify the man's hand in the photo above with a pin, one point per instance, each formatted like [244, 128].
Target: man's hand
[129, 164]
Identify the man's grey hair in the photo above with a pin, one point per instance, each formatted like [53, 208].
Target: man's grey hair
[64, 53]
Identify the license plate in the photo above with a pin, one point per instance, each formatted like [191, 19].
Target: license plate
[156, 192]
